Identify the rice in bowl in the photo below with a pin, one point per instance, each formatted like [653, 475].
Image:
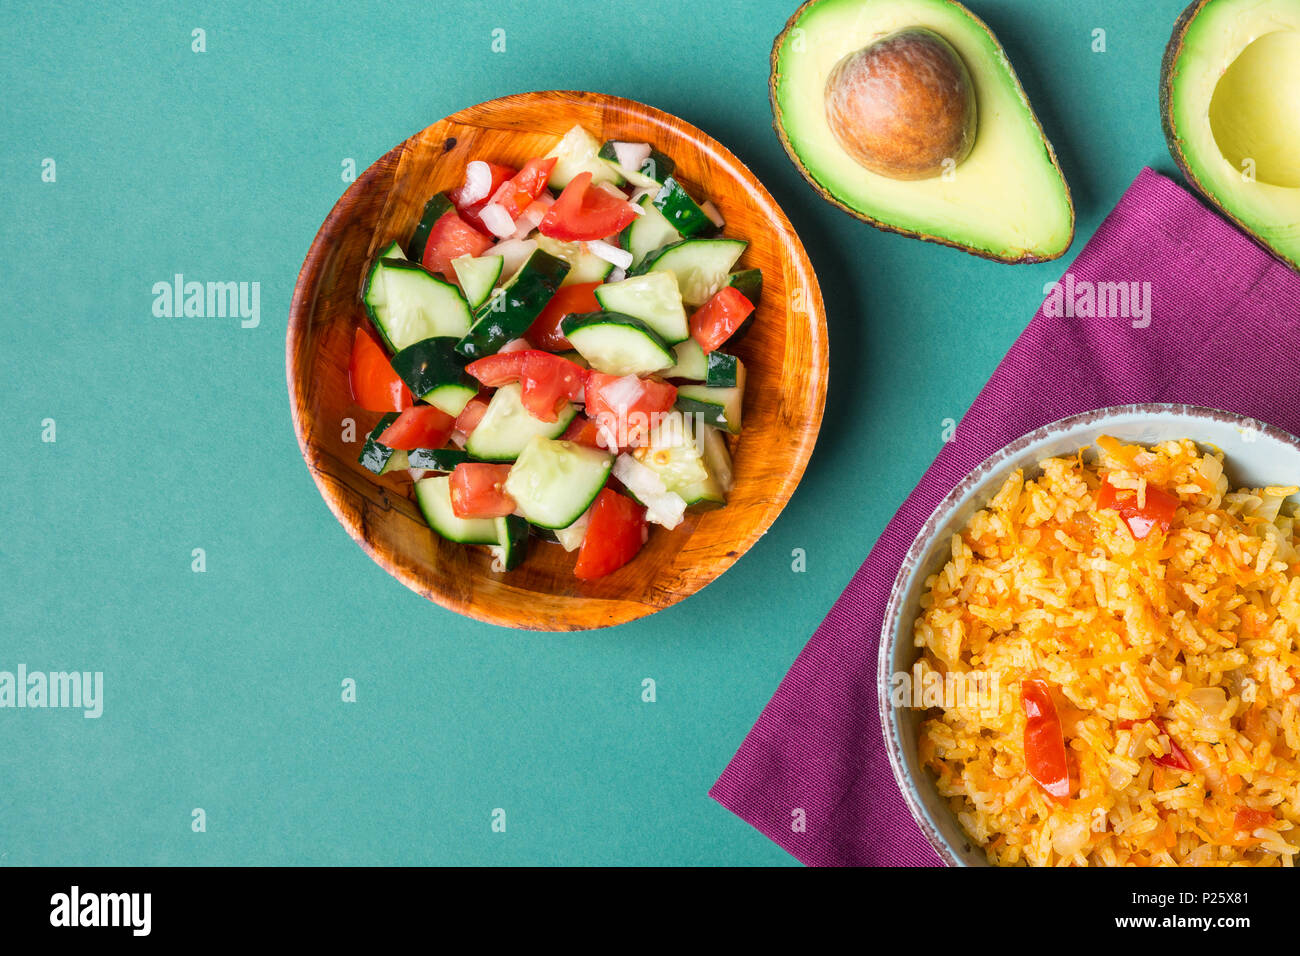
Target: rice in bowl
[1159, 613]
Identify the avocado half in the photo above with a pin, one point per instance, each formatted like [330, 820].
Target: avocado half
[1230, 103]
[1007, 200]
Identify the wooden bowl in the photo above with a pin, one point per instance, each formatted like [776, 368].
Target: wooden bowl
[785, 354]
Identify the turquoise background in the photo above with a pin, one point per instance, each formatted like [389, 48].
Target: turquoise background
[223, 688]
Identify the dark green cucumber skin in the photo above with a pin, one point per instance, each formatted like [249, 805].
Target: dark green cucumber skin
[545, 534]
[709, 414]
[442, 460]
[657, 166]
[370, 277]
[517, 531]
[580, 320]
[721, 370]
[749, 283]
[434, 209]
[681, 211]
[430, 363]
[374, 456]
[507, 314]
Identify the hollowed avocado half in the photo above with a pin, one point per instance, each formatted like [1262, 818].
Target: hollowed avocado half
[1005, 200]
[1230, 99]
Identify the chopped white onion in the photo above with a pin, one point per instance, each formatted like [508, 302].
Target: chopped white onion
[532, 217]
[611, 189]
[621, 258]
[711, 211]
[616, 275]
[513, 252]
[638, 195]
[631, 156]
[458, 438]
[497, 220]
[662, 507]
[478, 182]
[516, 345]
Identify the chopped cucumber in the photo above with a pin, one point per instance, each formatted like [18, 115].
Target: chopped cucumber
[433, 495]
[690, 457]
[711, 491]
[391, 251]
[380, 458]
[407, 303]
[512, 543]
[478, 276]
[510, 310]
[648, 233]
[692, 364]
[434, 209]
[722, 370]
[435, 373]
[584, 266]
[442, 460]
[653, 298]
[507, 427]
[554, 482]
[716, 406]
[702, 266]
[578, 152]
[617, 344]
[750, 284]
[682, 212]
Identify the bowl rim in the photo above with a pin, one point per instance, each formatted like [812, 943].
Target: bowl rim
[754, 192]
[890, 628]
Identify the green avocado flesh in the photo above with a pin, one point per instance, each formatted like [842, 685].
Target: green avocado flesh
[1007, 200]
[1230, 94]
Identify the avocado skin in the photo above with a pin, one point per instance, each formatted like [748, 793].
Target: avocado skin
[1168, 75]
[779, 127]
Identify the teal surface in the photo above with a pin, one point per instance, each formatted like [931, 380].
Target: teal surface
[222, 688]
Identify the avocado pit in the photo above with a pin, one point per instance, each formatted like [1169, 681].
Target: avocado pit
[1253, 113]
[903, 105]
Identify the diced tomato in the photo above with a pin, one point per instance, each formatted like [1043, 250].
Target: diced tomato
[478, 491]
[516, 194]
[1045, 755]
[375, 386]
[420, 426]
[1157, 512]
[627, 405]
[1176, 759]
[450, 238]
[584, 212]
[614, 536]
[718, 319]
[547, 380]
[545, 331]
[1248, 819]
[469, 211]
[583, 431]
[471, 414]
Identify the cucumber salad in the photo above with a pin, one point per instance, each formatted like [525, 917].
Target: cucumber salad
[549, 354]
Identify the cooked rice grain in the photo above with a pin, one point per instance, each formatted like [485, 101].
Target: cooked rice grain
[1197, 627]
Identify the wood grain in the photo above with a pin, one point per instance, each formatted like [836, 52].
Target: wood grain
[785, 354]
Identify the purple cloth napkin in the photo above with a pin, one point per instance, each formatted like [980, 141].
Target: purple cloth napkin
[1223, 331]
